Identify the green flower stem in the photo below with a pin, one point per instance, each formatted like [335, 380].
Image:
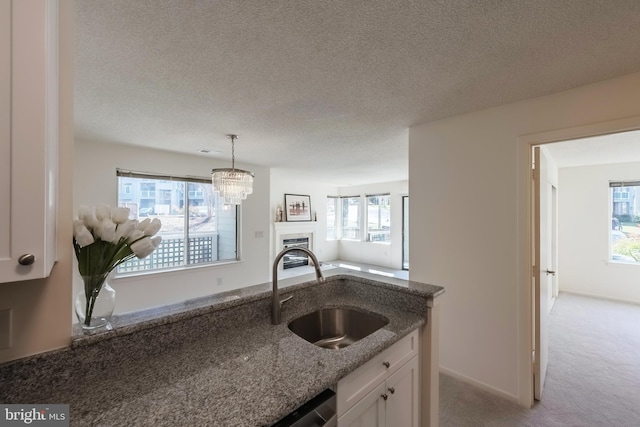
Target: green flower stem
[98, 259]
[92, 287]
[95, 262]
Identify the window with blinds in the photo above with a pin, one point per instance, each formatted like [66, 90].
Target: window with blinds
[197, 228]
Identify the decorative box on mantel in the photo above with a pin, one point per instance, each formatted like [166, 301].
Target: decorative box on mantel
[295, 230]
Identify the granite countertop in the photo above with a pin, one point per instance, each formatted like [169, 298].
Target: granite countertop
[216, 365]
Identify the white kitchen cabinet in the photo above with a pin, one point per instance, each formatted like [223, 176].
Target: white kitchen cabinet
[402, 388]
[363, 380]
[28, 137]
[383, 391]
[393, 403]
[368, 412]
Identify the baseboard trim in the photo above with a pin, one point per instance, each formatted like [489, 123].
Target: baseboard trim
[481, 385]
[604, 297]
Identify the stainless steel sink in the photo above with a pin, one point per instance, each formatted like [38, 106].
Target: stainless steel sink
[336, 327]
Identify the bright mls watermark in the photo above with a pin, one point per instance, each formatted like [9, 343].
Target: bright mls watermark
[36, 415]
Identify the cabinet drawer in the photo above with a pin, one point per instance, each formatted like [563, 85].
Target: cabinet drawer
[360, 382]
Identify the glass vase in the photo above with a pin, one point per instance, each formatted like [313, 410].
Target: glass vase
[95, 305]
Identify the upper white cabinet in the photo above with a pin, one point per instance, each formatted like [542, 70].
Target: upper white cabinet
[28, 137]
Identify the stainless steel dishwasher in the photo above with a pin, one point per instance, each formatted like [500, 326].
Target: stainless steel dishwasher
[319, 411]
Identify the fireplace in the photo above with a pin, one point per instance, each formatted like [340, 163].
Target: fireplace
[293, 233]
[295, 258]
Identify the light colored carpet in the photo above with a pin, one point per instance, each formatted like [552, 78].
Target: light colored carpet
[593, 378]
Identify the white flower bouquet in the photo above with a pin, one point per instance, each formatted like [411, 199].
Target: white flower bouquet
[105, 237]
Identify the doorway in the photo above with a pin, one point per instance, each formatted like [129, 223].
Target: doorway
[596, 145]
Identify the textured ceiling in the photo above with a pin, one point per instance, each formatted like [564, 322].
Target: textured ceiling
[620, 147]
[329, 88]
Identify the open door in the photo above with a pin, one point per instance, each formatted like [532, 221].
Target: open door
[543, 273]
[405, 232]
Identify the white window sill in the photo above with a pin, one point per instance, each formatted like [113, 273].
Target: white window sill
[132, 276]
[620, 262]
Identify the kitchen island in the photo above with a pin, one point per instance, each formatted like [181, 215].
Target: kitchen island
[218, 361]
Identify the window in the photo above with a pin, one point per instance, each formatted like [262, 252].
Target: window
[147, 190]
[378, 218]
[332, 209]
[624, 231]
[350, 218]
[196, 228]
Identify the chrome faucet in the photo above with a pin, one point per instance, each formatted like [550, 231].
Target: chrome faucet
[276, 303]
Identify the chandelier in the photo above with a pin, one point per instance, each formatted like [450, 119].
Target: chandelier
[233, 185]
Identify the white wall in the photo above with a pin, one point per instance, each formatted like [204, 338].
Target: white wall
[285, 182]
[470, 219]
[95, 172]
[386, 255]
[584, 224]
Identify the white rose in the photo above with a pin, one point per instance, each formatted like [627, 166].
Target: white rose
[103, 212]
[143, 224]
[143, 247]
[107, 230]
[120, 215]
[82, 234]
[156, 241]
[135, 235]
[87, 216]
[125, 230]
[153, 227]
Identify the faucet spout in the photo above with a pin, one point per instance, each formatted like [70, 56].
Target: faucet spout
[276, 303]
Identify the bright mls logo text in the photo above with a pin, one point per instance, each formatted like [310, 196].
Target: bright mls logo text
[50, 415]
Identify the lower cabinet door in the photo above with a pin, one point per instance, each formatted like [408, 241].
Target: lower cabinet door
[369, 412]
[401, 389]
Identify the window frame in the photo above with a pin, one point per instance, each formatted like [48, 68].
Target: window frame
[186, 180]
[367, 236]
[614, 187]
[336, 215]
[358, 238]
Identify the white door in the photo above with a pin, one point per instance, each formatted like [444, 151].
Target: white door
[553, 245]
[402, 396]
[405, 232]
[28, 138]
[542, 267]
[369, 412]
[5, 133]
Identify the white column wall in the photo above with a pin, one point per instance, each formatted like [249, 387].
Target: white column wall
[470, 219]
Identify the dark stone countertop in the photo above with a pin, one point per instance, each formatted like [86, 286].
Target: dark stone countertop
[214, 361]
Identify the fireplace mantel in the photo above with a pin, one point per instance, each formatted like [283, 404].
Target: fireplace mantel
[294, 226]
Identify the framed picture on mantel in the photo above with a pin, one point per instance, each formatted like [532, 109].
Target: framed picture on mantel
[297, 207]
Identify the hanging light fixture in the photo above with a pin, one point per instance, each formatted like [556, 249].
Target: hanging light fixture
[233, 185]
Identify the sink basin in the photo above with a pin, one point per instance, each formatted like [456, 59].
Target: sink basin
[336, 327]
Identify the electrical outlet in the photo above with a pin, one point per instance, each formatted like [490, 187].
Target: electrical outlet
[219, 281]
[5, 328]
[259, 234]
